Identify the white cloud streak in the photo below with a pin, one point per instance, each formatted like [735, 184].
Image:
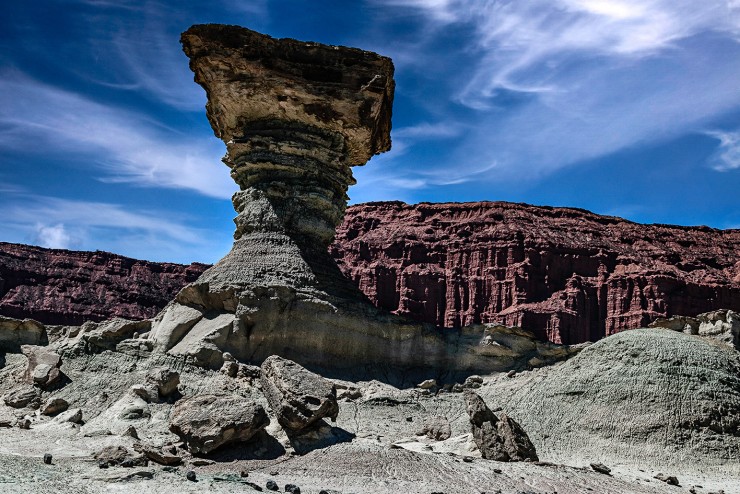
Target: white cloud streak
[591, 77]
[727, 156]
[124, 145]
[64, 223]
[53, 236]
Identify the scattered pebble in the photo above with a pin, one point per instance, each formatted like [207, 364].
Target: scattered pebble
[292, 489]
[47, 459]
[190, 476]
[272, 485]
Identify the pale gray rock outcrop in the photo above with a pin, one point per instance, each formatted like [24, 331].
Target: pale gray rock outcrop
[677, 395]
[297, 396]
[295, 118]
[721, 325]
[207, 422]
[16, 332]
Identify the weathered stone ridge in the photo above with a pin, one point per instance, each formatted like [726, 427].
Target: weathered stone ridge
[57, 286]
[566, 274]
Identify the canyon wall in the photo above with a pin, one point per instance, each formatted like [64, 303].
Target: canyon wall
[567, 274]
[68, 287]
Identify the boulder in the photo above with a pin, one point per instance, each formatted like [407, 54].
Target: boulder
[23, 396]
[437, 428]
[164, 380]
[206, 422]
[500, 437]
[43, 365]
[73, 416]
[54, 406]
[297, 396]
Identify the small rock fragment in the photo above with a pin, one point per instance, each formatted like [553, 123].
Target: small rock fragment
[25, 422]
[271, 485]
[601, 468]
[131, 432]
[158, 455]
[498, 437]
[47, 459]
[473, 381]
[292, 488]
[668, 479]
[428, 384]
[190, 476]
[164, 379]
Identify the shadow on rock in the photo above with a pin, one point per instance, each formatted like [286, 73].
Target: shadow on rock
[262, 447]
[320, 436]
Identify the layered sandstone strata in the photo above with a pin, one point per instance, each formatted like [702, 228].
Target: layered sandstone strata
[566, 274]
[67, 287]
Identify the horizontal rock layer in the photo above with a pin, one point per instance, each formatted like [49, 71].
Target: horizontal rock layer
[566, 274]
[70, 287]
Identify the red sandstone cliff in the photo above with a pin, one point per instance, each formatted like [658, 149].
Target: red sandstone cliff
[68, 287]
[567, 274]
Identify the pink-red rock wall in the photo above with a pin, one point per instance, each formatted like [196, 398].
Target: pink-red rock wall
[568, 275]
[68, 287]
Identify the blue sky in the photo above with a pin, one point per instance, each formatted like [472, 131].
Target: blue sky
[622, 107]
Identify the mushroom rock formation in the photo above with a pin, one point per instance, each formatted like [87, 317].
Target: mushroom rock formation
[295, 118]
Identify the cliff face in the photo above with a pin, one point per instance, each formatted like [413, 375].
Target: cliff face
[68, 287]
[566, 274]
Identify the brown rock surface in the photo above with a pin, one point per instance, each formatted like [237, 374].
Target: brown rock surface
[71, 287]
[566, 274]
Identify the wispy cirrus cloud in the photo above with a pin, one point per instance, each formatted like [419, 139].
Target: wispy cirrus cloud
[122, 145]
[552, 83]
[727, 155]
[65, 223]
